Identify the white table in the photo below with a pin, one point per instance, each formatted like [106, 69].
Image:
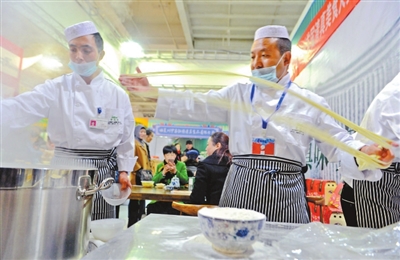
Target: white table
[179, 237]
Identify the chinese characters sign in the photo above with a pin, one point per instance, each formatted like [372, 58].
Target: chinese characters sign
[320, 29]
[185, 131]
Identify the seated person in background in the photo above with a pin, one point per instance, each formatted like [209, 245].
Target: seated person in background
[178, 149]
[191, 162]
[212, 171]
[165, 171]
[189, 146]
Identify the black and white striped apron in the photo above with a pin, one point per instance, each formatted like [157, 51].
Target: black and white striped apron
[270, 185]
[106, 163]
[377, 203]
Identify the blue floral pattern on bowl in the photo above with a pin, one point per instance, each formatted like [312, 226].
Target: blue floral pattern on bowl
[230, 236]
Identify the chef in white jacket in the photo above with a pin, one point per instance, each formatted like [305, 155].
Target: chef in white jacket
[89, 117]
[371, 199]
[266, 173]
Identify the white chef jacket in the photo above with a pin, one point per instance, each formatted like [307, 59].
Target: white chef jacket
[289, 143]
[69, 103]
[383, 118]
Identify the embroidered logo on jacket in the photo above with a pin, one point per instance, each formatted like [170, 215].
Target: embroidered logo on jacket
[114, 121]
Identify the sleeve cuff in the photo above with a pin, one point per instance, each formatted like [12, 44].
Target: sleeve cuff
[349, 169]
[126, 164]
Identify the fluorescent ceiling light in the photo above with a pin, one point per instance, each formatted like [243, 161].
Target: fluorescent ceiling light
[131, 50]
[29, 61]
[50, 63]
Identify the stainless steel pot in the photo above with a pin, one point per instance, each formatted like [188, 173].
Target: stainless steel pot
[45, 212]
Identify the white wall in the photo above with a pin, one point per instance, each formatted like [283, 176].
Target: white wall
[157, 144]
[364, 28]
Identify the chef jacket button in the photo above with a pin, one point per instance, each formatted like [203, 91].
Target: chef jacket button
[76, 123]
[77, 104]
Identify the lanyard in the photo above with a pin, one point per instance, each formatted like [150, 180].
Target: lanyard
[265, 121]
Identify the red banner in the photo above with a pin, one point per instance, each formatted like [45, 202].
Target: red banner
[320, 29]
[11, 62]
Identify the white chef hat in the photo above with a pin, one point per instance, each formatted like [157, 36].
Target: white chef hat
[80, 29]
[271, 31]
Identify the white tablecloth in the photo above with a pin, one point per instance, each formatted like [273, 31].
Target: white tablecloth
[179, 237]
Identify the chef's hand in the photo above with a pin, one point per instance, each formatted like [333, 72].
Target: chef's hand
[124, 180]
[383, 154]
[134, 83]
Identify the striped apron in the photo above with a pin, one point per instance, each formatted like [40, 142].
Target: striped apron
[270, 185]
[377, 203]
[103, 160]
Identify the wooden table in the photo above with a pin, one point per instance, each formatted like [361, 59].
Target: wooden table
[140, 193]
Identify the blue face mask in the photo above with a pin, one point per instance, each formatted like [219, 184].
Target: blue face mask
[268, 73]
[84, 69]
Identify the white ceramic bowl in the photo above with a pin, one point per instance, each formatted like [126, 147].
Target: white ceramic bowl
[231, 230]
[147, 184]
[114, 196]
[160, 185]
[105, 229]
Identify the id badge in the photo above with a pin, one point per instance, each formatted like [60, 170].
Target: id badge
[98, 123]
[263, 145]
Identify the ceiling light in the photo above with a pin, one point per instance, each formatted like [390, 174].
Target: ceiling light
[131, 50]
[51, 63]
[29, 61]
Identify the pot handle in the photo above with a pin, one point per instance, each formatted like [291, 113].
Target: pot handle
[86, 189]
[105, 184]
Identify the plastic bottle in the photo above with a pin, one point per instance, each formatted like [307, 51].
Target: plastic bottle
[191, 183]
